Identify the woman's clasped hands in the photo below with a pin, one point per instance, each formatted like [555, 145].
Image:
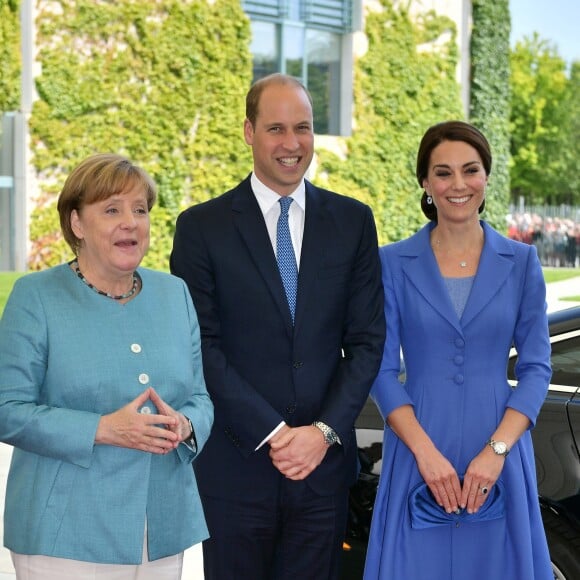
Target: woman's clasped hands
[136, 426]
[452, 494]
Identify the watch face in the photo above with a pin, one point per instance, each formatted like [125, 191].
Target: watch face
[500, 447]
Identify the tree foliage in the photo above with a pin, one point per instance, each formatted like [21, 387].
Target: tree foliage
[403, 84]
[490, 97]
[161, 81]
[570, 150]
[544, 124]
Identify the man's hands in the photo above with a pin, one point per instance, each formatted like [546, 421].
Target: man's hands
[297, 451]
[155, 433]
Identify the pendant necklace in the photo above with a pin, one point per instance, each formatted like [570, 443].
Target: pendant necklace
[462, 264]
[131, 292]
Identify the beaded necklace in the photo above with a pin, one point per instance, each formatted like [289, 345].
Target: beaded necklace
[134, 288]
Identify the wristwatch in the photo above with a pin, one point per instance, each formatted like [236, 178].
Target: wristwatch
[499, 447]
[330, 436]
[191, 441]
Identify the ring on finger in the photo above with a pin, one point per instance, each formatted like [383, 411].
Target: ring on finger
[484, 490]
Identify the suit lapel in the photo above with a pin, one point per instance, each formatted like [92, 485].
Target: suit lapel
[495, 265]
[315, 238]
[423, 272]
[249, 221]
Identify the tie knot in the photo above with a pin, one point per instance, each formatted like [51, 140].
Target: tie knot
[285, 204]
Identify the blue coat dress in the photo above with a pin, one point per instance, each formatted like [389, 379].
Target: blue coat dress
[456, 382]
[68, 356]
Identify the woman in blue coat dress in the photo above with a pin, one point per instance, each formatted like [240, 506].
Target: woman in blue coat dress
[102, 396]
[457, 496]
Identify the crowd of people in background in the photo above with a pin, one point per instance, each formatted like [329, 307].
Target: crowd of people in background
[557, 239]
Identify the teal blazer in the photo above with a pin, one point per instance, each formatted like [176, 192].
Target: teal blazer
[67, 357]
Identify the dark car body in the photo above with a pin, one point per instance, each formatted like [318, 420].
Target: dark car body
[556, 438]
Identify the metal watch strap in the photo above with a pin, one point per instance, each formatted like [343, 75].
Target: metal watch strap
[330, 436]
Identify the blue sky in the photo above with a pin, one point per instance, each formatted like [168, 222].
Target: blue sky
[555, 20]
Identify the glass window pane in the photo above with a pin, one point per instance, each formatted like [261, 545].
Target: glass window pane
[566, 362]
[324, 80]
[293, 51]
[264, 48]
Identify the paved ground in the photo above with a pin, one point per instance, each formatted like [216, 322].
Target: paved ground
[192, 569]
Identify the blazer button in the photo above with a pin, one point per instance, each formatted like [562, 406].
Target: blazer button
[458, 379]
[291, 408]
[297, 364]
[459, 343]
[458, 359]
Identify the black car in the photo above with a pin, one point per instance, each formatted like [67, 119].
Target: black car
[556, 440]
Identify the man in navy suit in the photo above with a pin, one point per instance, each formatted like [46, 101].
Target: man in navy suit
[288, 371]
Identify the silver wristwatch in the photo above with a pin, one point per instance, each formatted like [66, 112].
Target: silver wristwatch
[499, 447]
[330, 436]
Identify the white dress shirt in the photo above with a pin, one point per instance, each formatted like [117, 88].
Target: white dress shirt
[268, 202]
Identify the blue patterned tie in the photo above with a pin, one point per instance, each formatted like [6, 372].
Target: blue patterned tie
[285, 255]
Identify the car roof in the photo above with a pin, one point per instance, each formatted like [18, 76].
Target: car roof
[564, 320]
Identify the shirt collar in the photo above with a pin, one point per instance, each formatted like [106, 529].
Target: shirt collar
[267, 198]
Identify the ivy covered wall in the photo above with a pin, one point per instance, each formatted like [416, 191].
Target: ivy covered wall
[490, 97]
[10, 61]
[403, 84]
[161, 81]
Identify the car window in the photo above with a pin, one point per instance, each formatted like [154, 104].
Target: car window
[566, 362]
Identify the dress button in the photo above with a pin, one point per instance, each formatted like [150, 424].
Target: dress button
[297, 364]
[136, 348]
[145, 411]
[143, 378]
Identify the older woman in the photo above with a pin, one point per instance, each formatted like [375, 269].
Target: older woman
[102, 396]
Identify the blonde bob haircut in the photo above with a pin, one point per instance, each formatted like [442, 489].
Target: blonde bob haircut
[95, 179]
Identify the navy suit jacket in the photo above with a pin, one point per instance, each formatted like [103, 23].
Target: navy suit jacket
[259, 369]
